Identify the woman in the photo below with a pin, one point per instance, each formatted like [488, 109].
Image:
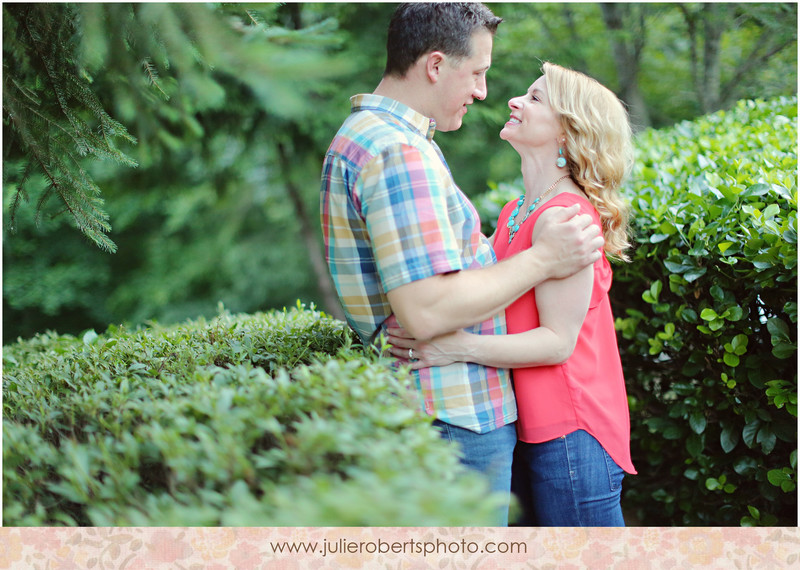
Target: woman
[574, 140]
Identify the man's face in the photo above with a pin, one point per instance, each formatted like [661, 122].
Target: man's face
[461, 82]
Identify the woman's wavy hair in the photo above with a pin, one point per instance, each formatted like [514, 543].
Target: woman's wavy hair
[599, 149]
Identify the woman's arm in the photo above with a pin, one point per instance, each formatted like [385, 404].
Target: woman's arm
[562, 305]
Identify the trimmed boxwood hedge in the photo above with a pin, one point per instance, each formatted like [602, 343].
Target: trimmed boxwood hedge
[246, 420]
[707, 318]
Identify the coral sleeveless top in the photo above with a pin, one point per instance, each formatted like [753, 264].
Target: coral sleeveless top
[588, 390]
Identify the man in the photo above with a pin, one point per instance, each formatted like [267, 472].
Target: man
[403, 243]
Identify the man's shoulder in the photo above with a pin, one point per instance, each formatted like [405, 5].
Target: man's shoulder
[380, 127]
[375, 131]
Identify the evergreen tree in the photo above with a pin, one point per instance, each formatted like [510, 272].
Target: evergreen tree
[158, 64]
[52, 117]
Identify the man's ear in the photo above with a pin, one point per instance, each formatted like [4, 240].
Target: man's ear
[433, 63]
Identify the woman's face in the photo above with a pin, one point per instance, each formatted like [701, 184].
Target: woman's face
[533, 123]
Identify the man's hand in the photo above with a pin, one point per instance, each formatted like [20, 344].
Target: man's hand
[439, 351]
[566, 242]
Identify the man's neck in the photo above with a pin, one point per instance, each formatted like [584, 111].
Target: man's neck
[405, 91]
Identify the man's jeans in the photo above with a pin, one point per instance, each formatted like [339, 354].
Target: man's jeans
[568, 481]
[490, 453]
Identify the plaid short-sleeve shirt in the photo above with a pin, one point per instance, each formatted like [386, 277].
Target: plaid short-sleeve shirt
[392, 214]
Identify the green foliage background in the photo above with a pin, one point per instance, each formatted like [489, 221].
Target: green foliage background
[188, 139]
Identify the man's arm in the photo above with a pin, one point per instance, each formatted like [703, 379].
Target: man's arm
[430, 307]
[562, 306]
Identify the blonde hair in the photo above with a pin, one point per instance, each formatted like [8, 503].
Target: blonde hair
[598, 148]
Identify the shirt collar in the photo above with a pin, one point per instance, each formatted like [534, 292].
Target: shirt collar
[426, 126]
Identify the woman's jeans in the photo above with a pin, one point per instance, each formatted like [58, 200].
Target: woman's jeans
[488, 453]
[568, 481]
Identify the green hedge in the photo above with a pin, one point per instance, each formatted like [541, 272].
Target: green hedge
[707, 318]
[709, 326]
[247, 420]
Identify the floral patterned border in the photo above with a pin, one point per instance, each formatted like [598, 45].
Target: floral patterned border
[289, 548]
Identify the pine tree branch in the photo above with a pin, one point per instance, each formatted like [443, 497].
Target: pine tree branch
[255, 18]
[54, 138]
[152, 75]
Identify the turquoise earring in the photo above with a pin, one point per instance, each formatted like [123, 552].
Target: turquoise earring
[561, 162]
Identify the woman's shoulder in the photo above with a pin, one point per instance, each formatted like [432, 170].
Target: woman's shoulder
[567, 199]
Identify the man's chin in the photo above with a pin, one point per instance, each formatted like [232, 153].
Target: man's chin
[453, 126]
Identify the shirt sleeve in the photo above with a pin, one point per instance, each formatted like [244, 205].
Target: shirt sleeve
[405, 202]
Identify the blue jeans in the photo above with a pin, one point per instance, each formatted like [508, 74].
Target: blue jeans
[489, 453]
[568, 481]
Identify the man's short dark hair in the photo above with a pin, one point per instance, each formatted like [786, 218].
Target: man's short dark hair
[420, 28]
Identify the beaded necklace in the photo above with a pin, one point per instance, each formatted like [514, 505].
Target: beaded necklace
[513, 227]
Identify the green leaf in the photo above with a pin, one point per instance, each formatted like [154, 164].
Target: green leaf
[749, 433]
[745, 466]
[651, 295]
[767, 438]
[784, 350]
[677, 267]
[695, 274]
[716, 325]
[731, 359]
[739, 344]
[708, 314]
[697, 421]
[777, 477]
[772, 210]
[728, 439]
[756, 190]
[735, 314]
[90, 337]
[778, 330]
[723, 246]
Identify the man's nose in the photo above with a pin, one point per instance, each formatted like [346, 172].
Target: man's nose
[480, 89]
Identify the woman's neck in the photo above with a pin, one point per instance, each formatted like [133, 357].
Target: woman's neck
[538, 177]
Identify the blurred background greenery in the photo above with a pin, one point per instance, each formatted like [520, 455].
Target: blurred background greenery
[160, 159]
